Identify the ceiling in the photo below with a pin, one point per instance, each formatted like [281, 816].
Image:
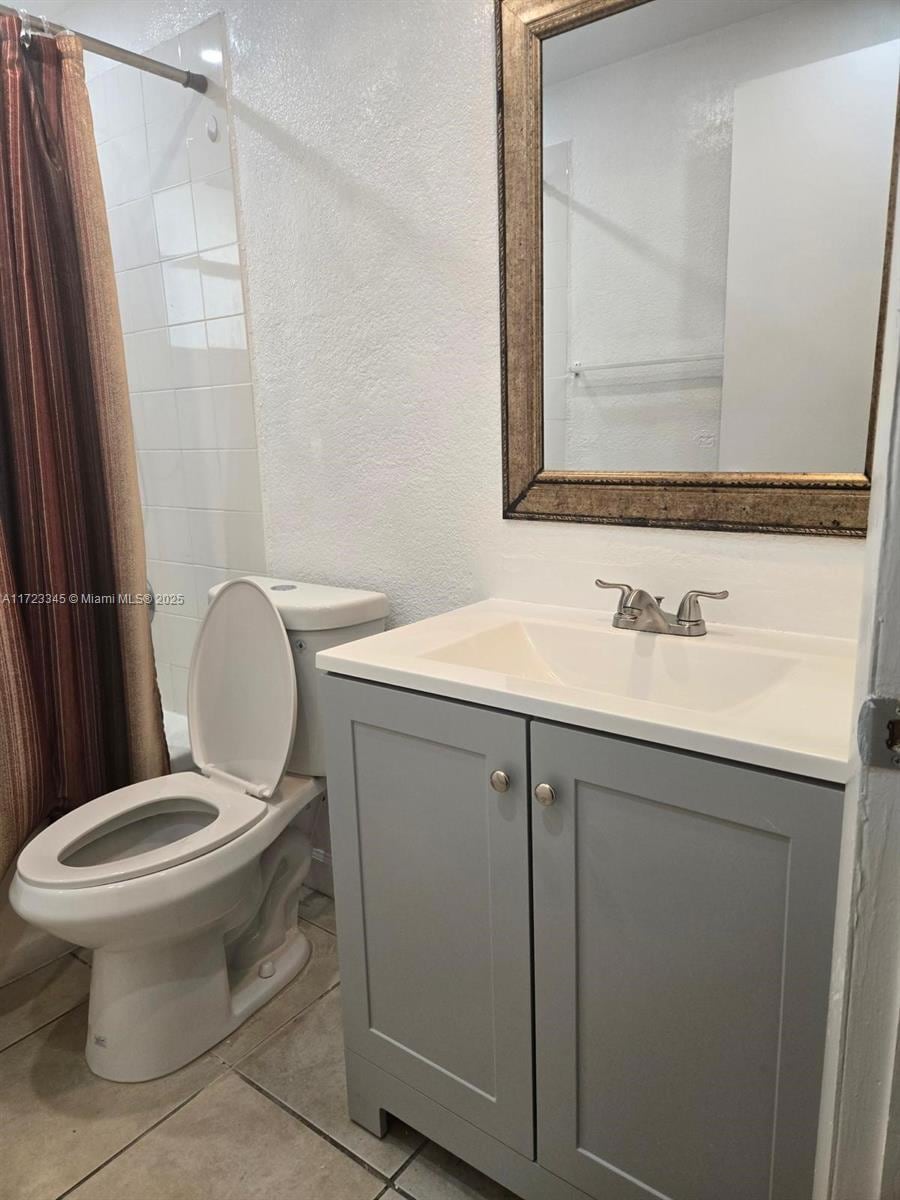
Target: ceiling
[647, 27]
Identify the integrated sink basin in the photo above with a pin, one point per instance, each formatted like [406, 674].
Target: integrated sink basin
[671, 671]
[776, 700]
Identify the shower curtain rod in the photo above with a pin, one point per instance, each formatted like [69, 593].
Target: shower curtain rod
[40, 26]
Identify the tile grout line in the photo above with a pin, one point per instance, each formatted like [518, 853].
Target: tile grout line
[324, 928]
[326, 1137]
[279, 1029]
[41, 967]
[37, 1029]
[140, 1137]
[395, 1178]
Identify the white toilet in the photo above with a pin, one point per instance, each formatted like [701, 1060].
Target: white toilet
[186, 887]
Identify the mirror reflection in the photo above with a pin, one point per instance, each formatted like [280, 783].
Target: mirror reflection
[715, 193]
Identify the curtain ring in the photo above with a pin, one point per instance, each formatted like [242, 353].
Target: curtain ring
[48, 32]
[25, 35]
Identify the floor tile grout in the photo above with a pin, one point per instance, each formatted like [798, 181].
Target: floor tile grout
[279, 1029]
[37, 1029]
[312, 921]
[40, 967]
[327, 1137]
[412, 1158]
[144, 1132]
[223, 1070]
[324, 928]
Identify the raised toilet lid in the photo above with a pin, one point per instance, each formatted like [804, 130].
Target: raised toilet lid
[242, 691]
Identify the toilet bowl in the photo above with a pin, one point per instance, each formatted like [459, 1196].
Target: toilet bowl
[186, 887]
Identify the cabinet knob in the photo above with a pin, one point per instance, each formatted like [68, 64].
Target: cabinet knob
[499, 781]
[544, 794]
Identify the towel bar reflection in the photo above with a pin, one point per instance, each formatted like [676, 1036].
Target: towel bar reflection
[580, 368]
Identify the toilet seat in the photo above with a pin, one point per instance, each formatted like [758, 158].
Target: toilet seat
[51, 860]
[242, 713]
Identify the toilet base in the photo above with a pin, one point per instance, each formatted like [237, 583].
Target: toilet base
[154, 1010]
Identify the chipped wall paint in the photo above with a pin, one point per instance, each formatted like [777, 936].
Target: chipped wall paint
[365, 137]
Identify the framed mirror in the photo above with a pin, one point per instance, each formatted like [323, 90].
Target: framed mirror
[695, 249]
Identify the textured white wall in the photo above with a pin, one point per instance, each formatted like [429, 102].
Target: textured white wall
[366, 153]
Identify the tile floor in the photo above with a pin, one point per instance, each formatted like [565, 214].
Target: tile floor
[263, 1114]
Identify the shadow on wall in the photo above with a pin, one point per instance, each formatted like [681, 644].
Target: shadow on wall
[392, 221]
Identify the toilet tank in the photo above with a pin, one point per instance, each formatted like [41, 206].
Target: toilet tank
[317, 617]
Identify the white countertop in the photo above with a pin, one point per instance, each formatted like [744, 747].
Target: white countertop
[777, 700]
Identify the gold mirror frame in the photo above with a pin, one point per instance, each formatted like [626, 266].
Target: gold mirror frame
[826, 504]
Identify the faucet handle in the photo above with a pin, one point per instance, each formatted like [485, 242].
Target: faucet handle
[625, 588]
[689, 609]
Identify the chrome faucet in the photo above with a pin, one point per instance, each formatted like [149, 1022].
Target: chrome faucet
[644, 613]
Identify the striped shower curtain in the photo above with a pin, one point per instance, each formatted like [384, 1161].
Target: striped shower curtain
[79, 708]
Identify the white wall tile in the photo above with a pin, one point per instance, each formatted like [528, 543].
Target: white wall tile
[203, 479]
[204, 579]
[164, 680]
[158, 421]
[162, 474]
[151, 541]
[159, 632]
[167, 157]
[220, 273]
[208, 537]
[184, 294]
[125, 167]
[231, 540]
[136, 401]
[205, 155]
[148, 361]
[132, 231]
[214, 211]
[163, 100]
[235, 419]
[142, 303]
[245, 543]
[175, 230]
[240, 479]
[173, 534]
[197, 419]
[97, 91]
[201, 50]
[175, 587]
[124, 100]
[190, 357]
[179, 688]
[229, 361]
[179, 633]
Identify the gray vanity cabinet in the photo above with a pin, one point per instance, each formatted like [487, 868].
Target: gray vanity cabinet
[432, 881]
[682, 913]
[683, 916]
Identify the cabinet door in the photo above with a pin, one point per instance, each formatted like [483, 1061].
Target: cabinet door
[432, 886]
[683, 920]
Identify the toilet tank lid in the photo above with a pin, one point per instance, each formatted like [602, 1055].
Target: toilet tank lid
[305, 607]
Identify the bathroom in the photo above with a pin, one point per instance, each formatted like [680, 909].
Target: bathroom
[356, 313]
